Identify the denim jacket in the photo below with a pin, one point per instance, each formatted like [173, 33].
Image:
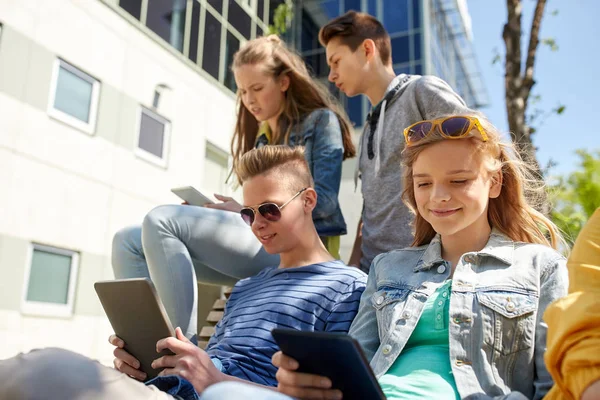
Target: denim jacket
[321, 134]
[497, 337]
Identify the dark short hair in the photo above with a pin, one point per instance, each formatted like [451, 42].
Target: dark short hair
[354, 28]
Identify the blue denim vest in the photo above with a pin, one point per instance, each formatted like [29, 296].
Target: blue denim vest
[497, 336]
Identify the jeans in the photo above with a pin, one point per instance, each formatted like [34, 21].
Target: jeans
[178, 245]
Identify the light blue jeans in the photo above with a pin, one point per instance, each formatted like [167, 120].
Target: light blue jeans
[178, 245]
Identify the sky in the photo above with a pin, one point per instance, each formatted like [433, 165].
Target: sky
[567, 76]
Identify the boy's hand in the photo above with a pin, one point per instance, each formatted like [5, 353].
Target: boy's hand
[228, 204]
[300, 385]
[125, 362]
[189, 362]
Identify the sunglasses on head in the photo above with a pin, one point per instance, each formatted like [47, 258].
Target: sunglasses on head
[269, 211]
[454, 127]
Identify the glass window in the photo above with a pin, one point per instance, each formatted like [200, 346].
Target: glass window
[194, 31]
[212, 45]
[400, 49]
[372, 6]
[232, 45]
[317, 64]
[404, 69]
[217, 5]
[166, 18]
[74, 96]
[133, 7]
[50, 281]
[239, 19]
[355, 110]
[418, 69]
[395, 15]
[152, 138]
[416, 10]
[260, 9]
[215, 169]
[417, 46]
[331, 8]
[351, 5]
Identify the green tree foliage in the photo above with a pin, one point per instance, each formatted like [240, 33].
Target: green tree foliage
[576, 196]
[282, 19]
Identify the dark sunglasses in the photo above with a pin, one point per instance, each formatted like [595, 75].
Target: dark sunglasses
[455, 127]
[269, 211]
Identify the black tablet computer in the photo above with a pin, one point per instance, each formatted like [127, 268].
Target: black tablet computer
[334, 355]
[138, 317]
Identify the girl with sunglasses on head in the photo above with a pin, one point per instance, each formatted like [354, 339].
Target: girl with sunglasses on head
[459, 313]
[278, 103]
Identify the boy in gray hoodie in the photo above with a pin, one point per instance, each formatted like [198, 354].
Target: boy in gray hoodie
[358, 51]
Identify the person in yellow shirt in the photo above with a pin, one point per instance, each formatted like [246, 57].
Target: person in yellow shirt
[573, 353]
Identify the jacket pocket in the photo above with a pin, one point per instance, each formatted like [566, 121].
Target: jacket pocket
[388, 301]
[508, 320]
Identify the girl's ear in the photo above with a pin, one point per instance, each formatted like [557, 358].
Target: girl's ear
[496, 184]
[309, 197]
[284, 82]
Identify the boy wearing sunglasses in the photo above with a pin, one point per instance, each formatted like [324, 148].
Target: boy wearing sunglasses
[358, 51]
[309, 291]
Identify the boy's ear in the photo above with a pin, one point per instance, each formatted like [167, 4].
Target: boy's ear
[369, 48]
[309, 197]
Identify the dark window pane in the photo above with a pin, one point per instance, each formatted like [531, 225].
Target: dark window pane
[194, 31]
[419, 69]
[212, 45]
[416, 14]
[352, 5]
[417, 46]
[166, 18]
[152, 134]
[260, 10]
[239, 19]
[317, 64]
[400, 49]
[133, 7]
[309, 39]
[217, 5]
[395, 15]
[233, 45]
[355, 110]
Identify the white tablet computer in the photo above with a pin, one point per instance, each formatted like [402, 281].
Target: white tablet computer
[138, 317]
[192, 196]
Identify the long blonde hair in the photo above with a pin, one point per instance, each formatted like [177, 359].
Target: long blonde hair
[513, 212]
[303, 96]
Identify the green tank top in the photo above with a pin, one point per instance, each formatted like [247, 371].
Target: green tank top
[422, 370]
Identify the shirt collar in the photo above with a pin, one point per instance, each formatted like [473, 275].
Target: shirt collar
[498, 246]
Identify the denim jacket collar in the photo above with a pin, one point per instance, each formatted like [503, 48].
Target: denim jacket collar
[499, 246]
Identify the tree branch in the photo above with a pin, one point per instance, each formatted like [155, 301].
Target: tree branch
[536, 23]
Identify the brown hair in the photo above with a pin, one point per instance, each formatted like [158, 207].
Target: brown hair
[354, 28]
[288, 163]
[513, 212]
[303, 96]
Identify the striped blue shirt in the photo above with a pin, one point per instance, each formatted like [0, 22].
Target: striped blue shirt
[318, 297]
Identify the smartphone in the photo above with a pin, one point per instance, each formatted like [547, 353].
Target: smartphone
[192, 196]
[334, 355]
[137, 316]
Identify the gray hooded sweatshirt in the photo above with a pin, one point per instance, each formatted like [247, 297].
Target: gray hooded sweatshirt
[409, 99]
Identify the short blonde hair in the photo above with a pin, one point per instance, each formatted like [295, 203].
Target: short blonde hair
[288, 163]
